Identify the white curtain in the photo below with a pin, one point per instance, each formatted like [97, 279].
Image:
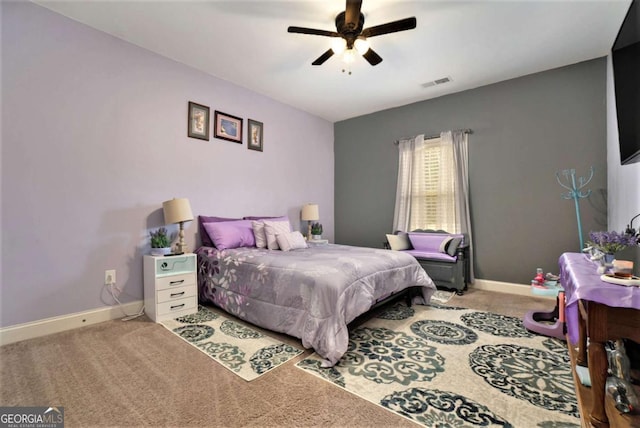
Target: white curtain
[459, 140]
[432, 191]
[407, 149]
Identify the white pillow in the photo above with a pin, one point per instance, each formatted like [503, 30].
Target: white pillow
[291, 241]
[271, 229]
[399, 242]
[258, 233]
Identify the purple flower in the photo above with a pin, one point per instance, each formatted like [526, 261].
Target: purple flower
[611, 242]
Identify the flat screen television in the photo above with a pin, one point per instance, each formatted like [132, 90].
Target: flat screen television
[626, 74]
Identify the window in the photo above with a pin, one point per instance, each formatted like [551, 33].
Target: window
[433, 188]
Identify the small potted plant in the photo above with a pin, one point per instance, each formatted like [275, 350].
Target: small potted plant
[316, 231]
[160, 242]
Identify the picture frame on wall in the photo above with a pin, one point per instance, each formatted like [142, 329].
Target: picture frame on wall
[198, 121]
[227, 127]
[254, 135]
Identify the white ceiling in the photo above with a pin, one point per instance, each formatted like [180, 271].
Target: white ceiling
[475, 43]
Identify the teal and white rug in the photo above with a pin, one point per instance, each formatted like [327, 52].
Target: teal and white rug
[239, 347]
[444, 366]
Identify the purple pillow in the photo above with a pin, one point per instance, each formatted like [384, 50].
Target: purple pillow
[204, 237]
[231, 234]
[428, 241]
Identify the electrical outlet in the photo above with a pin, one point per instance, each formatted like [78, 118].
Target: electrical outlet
[110, 276]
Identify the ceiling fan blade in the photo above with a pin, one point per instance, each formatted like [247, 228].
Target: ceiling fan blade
[322, 58]
[352, 13]
[372, 57]
[390, 27]
[312, 31]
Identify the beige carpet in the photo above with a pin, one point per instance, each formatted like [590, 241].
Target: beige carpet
[135, 373]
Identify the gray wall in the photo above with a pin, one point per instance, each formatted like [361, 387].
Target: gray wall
[524, 130]
[94, 139]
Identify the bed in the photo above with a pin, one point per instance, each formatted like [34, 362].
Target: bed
[309, 293]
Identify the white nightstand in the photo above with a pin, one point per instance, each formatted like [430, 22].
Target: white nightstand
[313, 242]
[170, 286]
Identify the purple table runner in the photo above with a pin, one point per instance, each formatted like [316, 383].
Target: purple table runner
[581, 281]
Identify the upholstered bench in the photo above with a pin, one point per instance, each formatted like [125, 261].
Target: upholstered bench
[444, 256]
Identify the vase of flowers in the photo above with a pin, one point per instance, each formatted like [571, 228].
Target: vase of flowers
[607, 244]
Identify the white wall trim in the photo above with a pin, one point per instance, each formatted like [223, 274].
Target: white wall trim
[504, 287]
[30, 330]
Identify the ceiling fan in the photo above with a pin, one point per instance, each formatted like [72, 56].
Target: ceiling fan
[350, 33]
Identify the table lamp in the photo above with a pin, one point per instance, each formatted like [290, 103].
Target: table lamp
[310, 213]
[178, 210]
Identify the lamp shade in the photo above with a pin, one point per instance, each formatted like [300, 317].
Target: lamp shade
[177, 210]
[310, 212]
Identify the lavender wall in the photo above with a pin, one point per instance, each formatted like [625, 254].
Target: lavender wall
[94, 139]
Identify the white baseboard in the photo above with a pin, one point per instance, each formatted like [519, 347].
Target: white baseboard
[504, 287]
[30, 330]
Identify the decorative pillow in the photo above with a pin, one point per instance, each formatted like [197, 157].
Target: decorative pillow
[291, 241]
[272, 228]
[444, 244]
[204, 236]
[258, 234]
[454, 243]
[399, 242]
[231, 234]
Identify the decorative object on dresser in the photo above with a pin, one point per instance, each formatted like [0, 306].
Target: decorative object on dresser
[227, 127]
[254, 135]
[170, 286]
[198, 121]
[310, 213]
[178, 210]
[160, 242]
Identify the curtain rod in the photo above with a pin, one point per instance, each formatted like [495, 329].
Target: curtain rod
[466, 131]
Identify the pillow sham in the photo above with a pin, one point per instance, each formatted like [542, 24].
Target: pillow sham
[399, 242]
[271, 229]
[231, 234]
[291, 241]
[205, 239]
[429, 241]
[258, 234]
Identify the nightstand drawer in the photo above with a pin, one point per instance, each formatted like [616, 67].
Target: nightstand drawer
[172, 265]
[179, 305]
[176, 293]
[175, 281]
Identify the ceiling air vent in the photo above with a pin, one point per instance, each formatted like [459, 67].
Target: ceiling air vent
[436, 82]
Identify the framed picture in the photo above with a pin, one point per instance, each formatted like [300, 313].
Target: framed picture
[228, 127]
[254, 137]
[198, 121]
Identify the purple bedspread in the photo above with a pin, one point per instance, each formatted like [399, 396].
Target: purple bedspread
[581, 281]
[312, 293]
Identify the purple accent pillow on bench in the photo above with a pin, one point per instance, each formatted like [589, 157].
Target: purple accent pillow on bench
[204, 236]
[231, 234]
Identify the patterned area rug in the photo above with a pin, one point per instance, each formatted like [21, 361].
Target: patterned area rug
[241, 348]
[442, 296]
[443, 366]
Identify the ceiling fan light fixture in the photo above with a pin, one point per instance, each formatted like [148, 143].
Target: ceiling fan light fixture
[338, 45]
[349, 56]
[361, 45]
